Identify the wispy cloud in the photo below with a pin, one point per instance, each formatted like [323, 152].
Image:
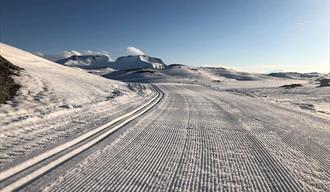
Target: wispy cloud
[301, 25]
[66, 54]
[38, 53]
[55, 57]
[222, 66]
[106, 53]
[70, 53]
[134, 51]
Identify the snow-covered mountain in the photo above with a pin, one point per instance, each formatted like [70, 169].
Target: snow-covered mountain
[183, 73]
[138, 62]
[122, 63]
[86, 61]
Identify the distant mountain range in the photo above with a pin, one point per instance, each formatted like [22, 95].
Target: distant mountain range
[143, 68]
[122, 63]
[183, 73]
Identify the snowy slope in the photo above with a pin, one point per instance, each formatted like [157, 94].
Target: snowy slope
[295, 75]
[63, 84]
[231, 74]
[209, 76]
[46, 86]
[176, 72]
[57, 102]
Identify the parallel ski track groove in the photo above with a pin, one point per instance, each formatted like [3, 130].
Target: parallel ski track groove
[186, 154]
[29, 177]
[125, 152]
[283, 175]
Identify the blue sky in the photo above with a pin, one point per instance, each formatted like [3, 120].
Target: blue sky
[249, 35]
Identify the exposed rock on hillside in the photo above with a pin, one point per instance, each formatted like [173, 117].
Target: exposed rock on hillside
[8, 87]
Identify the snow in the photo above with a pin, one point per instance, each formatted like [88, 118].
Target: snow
[53, 83]
[307, 98]
[200, 75]
[127, 118]
[216, 130]
[137, 62]
[86, 61]
[310, 97]
[295, 75]
[198, 139]
[52, 97]
[122, 63]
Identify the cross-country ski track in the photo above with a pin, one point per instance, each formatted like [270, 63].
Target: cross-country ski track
[194, 138]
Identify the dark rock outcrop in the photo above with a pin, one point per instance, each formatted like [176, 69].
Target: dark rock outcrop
[8, 87]
[292, 86]
[325, 82]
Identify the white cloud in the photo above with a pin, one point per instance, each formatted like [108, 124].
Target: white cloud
[66, 54]
[222, 66]
[49, 57]
[300, 25]
[89, 52]
[134, 51]
[107, 54]
[38, 54]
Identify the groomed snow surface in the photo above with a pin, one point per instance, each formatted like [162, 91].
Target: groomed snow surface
[198, 139]
[214, 130]
[309, 97]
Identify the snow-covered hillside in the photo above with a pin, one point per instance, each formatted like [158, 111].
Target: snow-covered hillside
[184, 73]
[295, 75]
[209, 76]
[47, 85]
[56, 102]
[122, 63]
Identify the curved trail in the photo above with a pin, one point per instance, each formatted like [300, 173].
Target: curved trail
[10, 178]
[196, 139]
